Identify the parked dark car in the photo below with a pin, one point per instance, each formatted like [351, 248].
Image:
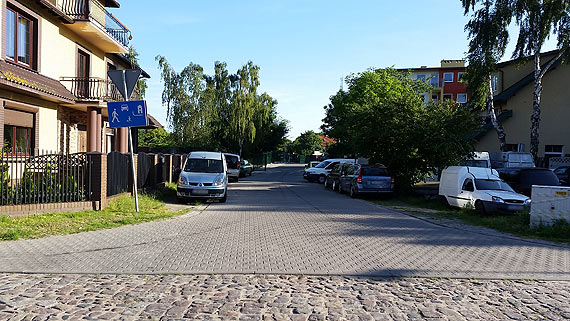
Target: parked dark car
[366, 180]
[333, 178]
[563, 173]
[522, 179]
[245, 168]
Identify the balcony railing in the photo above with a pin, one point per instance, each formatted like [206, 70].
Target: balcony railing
[92, 88]
[94, 11]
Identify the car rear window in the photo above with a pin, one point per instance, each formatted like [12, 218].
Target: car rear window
[374, 171]
[232, 161]
[539, 177]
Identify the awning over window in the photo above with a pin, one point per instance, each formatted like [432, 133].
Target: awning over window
[18, 118]
[29, 82]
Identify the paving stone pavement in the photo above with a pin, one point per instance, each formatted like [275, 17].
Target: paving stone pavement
[273, 297]
[275, 223]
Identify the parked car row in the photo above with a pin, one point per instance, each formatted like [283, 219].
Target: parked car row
[357, 179]
[347, 176]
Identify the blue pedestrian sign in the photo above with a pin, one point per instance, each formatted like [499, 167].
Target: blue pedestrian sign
[127, 114]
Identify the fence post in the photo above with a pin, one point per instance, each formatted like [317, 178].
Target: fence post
[98, 179]
[168, 164]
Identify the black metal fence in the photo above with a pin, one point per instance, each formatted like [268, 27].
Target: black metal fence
[42, 178]
[119, 177]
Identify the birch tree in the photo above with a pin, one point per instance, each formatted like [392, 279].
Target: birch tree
[244, 100]
[537, 21]
[488, 38]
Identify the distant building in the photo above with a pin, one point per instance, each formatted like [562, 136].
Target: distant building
[445, 81]
[513, 88]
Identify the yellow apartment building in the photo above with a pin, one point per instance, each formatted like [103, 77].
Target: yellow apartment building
[513, 87]
[54, 89]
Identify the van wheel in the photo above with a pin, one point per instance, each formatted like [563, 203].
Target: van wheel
[480, 208]
[443, 201]
[326, 183]
[322, 179]
[334, 187]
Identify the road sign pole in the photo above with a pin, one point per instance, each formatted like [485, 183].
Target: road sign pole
[132, 152]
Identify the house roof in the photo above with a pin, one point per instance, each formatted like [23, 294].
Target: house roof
[31, 82]
[528, 79]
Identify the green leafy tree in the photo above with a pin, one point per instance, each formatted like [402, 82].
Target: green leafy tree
[488, 37]
[537, 21]
[382, 116]
[158, 137]
[307, 143]
[244, 104]
[221, 111]
[133, 56]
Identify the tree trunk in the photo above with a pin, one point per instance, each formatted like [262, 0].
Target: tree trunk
[491, 109]
[535, 117]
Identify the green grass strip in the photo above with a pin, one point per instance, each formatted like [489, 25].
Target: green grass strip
[120, 211]
[516, 224]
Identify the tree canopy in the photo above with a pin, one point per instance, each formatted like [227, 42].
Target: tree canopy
[222, 111]
[382, 117]
[307, 143]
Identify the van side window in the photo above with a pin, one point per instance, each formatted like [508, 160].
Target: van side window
[468, 185]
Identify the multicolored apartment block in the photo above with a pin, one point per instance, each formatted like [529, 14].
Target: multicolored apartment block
[445, 80]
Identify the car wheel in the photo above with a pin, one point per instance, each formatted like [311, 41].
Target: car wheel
[322, 179]
[225, 198]
[236, 179]
[181, 200]
[353, 193]
[326, 183]
[480, 208]
[334, 187]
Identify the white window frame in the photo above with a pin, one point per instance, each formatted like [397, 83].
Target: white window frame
[447, 73]
[459, 74]
[554, 154]
[463, 95]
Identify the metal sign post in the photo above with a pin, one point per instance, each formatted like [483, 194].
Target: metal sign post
[126, 80]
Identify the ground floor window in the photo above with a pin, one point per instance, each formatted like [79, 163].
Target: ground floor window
[554, 150]
[17, 140]
[514, 148]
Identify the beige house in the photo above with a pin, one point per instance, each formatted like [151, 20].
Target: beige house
[54, 58]
[513, 87]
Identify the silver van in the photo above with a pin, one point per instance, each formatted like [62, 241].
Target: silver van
[233, 163]
[203, 177]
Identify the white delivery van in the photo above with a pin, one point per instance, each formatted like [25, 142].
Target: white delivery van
[480, 188]
[511, 160]
[319, 172]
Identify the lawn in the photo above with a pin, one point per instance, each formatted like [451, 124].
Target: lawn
[516, 224]
[121, 211]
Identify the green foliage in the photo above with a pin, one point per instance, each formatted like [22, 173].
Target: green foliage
[154, 138]
[222, 111]
[382, 117]
[133, 57]
[307, 143]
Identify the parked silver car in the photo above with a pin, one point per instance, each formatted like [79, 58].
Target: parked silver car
[203, 177]
[233, 162]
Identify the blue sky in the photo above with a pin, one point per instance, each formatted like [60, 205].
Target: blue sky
[303, 47]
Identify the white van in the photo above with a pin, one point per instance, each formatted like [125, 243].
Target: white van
[203, 176]
[480, 188]
[319, 172]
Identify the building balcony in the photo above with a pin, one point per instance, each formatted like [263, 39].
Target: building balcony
[93, 22]
[95, 89]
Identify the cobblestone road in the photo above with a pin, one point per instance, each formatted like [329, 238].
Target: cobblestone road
[275, 223]
[299, 298]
